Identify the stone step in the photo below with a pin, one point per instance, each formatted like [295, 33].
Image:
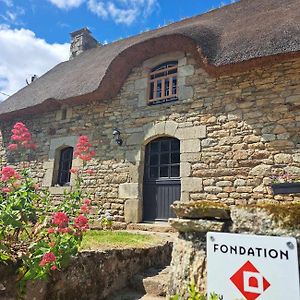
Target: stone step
[153, 227]
[149, 285]
[152, 282]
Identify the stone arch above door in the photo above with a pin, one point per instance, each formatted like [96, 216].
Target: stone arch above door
[186, 134]
[190, 146]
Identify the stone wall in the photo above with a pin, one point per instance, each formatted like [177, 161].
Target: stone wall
[195, 219]
[235, 131]
[91, 275]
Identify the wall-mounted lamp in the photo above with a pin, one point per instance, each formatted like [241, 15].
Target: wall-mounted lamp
[116, 134]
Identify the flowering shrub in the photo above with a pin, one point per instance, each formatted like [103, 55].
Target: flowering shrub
[40, 238]
[21, 138]
[83, 149]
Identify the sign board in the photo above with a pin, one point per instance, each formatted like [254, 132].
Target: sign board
[251, 267]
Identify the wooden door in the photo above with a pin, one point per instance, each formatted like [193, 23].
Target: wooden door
[161, 178]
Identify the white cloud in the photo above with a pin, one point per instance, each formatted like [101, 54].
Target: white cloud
[11, 16]
[122, 11]
[124, 16]
[23, 55]
[12, 13]
[66, 4]
[98, 8]
[8, 3]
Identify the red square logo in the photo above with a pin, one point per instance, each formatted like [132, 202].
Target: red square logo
[249, 281]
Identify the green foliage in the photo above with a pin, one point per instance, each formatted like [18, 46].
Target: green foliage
[99, 239]
[21, 216]
[194, 294]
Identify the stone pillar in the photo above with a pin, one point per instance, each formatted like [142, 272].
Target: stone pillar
[133, 206]
[194, 220]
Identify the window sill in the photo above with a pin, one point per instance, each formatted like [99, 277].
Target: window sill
[59, 190]
[162, 101]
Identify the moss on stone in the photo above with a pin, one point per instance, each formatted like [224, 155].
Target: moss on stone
[286, 215]
[206, 204]
[201, 209]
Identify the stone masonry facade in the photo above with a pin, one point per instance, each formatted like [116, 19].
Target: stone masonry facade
[235, 131]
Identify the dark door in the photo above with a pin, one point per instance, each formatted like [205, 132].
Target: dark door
[161, 178]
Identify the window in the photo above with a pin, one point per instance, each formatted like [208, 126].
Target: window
[162, 159]
[65, 164]
[64, 113]
[163, 83]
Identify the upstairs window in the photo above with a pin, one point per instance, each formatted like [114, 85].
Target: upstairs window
[163, 83]
[65, 164]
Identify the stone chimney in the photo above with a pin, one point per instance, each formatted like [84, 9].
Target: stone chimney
[81, 40]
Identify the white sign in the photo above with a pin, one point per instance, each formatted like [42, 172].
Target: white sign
[251, 267]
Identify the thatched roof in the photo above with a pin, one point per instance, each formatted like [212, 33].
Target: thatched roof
[221, 39]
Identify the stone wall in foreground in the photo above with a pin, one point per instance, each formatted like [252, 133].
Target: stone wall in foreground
[91, 275]
[195, 219]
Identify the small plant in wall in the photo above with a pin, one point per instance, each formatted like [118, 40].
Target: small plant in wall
[194, 294]
[37, 237]
[285, 183]
[106, 220]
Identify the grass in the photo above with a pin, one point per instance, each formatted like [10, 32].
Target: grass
[103, 240]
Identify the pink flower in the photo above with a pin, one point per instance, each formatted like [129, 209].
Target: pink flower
[81, 222]
[12, 147]
[85, 157]
[64, 230]
[89, 171]
[74, 170]
[67, 230]
[51, 230]
[9, 173]
[87, 201]
[22, 137]
[53, 268]
[83, 149]
[6, 190]
[47, 258]
[84, 209]
[30, 146]
[60, 219]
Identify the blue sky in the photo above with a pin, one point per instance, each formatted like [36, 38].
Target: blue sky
[34, 34]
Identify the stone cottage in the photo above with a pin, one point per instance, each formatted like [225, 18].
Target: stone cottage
[205, 108]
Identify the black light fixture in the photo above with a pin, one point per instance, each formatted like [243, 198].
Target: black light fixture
[116, 134]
